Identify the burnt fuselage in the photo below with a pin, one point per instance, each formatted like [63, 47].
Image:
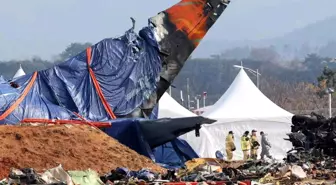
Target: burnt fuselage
[179, 30]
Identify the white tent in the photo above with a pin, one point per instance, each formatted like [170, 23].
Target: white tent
[19, 73]
[170, 108]
[2, 79]
[243, 107]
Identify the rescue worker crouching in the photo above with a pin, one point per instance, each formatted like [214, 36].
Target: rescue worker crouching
[245, 145]
[254, 145]
[229, 146]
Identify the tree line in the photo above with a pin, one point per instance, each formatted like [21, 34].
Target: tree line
[293, 85]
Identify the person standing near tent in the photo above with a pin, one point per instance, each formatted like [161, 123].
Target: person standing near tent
[245, 145]
[229, 146]
[265, 146]
[254, 145]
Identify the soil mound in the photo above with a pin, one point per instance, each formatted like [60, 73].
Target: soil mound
[76, 147]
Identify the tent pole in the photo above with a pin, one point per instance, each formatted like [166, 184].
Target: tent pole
[203, 101]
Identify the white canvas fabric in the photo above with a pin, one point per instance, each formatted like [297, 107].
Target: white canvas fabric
[243, 107]
[170, 108]
[19, 73]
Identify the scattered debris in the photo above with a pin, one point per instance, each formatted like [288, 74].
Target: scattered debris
[84, 147]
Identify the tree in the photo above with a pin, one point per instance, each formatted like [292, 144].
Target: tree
[215, 56]
[304, 50]
[313, 58]
[238, 53]
[264, 54]
[73, 49]
[326, 79]
[315, 62]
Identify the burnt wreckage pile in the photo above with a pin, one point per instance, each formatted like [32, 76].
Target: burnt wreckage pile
[314, 135]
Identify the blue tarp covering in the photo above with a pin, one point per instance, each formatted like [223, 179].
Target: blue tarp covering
[155, 112]
[128, 132]
[126, 68]
[174, 153]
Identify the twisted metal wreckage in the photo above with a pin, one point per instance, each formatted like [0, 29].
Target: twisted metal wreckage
[116, 78]
[313, 137]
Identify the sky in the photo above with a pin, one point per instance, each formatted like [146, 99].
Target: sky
[45, 27]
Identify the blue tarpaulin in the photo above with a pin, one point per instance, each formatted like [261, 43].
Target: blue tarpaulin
[155, 112]
[174, 153]
[126, 69]
[128, 132]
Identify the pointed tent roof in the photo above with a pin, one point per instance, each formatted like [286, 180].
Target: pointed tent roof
[170, 108]
[19, 72]
[2, 79]
[243, 100]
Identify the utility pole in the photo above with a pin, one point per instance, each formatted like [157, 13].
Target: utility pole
[258, 79]
[254, 72]
[170, 90]
[204, 96]
[182, 99]
[188, 95]
[197, 102]
[330, 91]
[330, 113]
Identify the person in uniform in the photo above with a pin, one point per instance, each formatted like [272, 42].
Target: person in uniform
[254, 145]
[229, 146]
[245, 145]
[265, 146]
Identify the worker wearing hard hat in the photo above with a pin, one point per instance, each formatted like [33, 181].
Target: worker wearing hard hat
[254, 145]
[229, 146]
[245, 145]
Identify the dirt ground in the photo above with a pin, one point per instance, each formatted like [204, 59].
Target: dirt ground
[75, 147]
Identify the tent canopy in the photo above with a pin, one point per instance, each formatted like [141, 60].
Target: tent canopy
[170, 108]
[2, 79]
[20, 72]
[242, 108]
[243, 100]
